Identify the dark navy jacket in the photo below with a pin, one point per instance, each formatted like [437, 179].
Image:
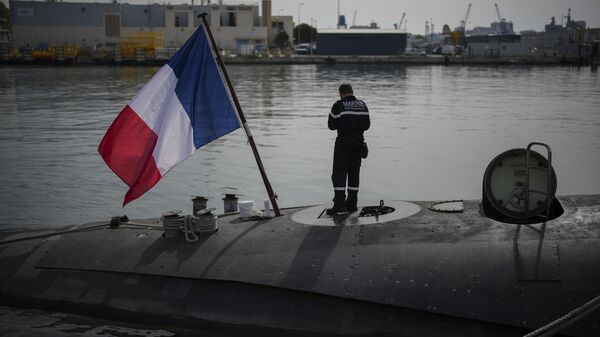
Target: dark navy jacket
[350, 117]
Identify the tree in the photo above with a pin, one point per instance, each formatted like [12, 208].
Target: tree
[282, 40]
[307, 33]
[4, 13]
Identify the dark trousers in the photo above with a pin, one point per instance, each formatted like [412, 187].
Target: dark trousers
[346, 165]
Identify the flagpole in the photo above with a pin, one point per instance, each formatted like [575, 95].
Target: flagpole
[261, 168]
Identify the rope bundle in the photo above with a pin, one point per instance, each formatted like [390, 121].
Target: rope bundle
[173, 224]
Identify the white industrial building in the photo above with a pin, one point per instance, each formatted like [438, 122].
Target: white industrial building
[573, 39]
[38, 25]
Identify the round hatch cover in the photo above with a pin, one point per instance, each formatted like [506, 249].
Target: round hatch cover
[316, 216]
[505, 180]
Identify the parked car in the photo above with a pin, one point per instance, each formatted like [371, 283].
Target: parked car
[414, 52]
[449, 50]
[303, 49]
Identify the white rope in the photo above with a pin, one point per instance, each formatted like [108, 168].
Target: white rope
[190, 225]
[190, 236]
[561, 323]
[204, 223]
[172, 225]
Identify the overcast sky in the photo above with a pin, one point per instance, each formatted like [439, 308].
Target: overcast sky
[525, 14]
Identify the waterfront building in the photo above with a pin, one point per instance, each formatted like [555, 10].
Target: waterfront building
[496, 46]
[361, 42]
[266, 20]
[43, 25]
[5, 34]
[495, 28]
[239, 29]
[282, 23]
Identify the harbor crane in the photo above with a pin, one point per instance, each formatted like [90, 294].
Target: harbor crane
[503, 27]
[401, 20]
[458, 35]
[498, 12]
[463, 23]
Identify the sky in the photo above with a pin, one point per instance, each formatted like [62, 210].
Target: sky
[525, 14]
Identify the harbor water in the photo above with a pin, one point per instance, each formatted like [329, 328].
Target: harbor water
[433, 131]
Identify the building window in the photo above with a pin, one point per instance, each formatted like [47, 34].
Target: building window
[112, 24]
[228, 19]
[277, 25]
[181, 19]
[24, 11]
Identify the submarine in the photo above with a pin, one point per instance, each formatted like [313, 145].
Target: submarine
[520, 261]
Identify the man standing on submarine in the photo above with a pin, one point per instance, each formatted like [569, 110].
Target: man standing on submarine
[350, 117]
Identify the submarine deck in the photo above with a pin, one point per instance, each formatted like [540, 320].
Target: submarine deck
[429, 273]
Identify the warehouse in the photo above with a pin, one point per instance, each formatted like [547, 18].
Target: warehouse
[43, 25]
[360, 42]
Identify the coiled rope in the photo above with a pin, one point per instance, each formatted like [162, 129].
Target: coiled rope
[173, 224]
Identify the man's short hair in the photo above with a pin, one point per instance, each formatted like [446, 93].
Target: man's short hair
[346, 89]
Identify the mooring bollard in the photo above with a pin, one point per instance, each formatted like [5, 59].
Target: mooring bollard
[230, 203]
[198, 204]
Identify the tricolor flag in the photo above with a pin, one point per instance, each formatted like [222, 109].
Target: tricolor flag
[184, 106]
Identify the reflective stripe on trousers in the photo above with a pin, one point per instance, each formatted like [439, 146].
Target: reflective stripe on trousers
[346, 165]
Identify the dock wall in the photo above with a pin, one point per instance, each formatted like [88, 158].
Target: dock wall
[309, 59]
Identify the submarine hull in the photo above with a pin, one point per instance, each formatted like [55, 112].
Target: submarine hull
[425, 274]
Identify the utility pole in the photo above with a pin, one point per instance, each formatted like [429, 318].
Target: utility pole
[299, 20]
[337, 19]
[311, 34]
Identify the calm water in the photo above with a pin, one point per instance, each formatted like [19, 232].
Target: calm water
[434, 130]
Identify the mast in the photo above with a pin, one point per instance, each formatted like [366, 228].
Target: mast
[238, 107]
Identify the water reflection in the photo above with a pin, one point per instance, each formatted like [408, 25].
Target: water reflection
[434, 129]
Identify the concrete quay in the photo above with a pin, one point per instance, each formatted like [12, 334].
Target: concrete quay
[319, 59]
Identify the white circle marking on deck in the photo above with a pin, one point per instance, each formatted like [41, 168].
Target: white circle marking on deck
[309, 216]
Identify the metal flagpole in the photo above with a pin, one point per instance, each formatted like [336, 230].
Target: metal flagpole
[261, 168]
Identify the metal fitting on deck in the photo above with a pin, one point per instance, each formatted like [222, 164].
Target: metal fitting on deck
[230, 203]
[198, 204]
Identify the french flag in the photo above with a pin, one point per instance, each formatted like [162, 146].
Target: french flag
[183, 107]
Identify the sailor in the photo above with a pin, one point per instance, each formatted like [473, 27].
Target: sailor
[350, 117]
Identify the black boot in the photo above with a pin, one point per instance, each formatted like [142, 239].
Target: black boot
[339, 204]
[352, 201]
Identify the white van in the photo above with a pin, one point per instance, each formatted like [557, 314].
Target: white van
[413, 52]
